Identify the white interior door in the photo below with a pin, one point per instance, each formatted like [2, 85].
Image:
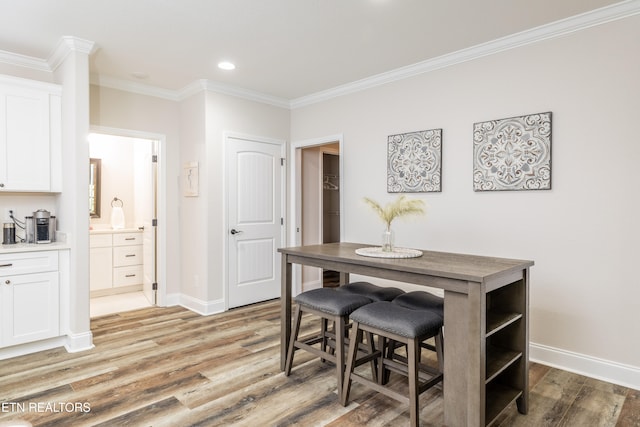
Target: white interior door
[255, 219]
[146, 211]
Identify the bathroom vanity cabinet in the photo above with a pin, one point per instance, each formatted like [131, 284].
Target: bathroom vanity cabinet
[116, 261]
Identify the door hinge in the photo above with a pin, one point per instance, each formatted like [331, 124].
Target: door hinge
[154, 286]
[281, 161]
[154, 222]
[154, 158]
[281, 221]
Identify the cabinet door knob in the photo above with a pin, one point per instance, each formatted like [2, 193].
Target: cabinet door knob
[1, 185]
[7, 282]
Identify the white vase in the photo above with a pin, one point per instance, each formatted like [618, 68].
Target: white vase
[387, 240]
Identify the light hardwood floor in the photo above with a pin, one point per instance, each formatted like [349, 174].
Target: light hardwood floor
[173, 367]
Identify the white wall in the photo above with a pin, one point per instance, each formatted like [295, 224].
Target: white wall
[205, 117]
[122, 175]
[229, 114]
[24, 204]
[116, 178]
[582, 234]
[112, 108]
[193, 210]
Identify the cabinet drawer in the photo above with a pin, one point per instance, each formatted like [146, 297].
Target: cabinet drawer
[127, 255]
[100, 240]
[126, 276]
[124, 239]
[28, 262]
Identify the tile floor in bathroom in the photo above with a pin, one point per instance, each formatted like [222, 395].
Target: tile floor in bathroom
[110, 304]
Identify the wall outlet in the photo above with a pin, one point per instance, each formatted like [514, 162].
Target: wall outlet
[7, 214]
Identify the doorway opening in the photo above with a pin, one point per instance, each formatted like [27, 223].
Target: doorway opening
[317, 198]
[123, 236]
[330, 223]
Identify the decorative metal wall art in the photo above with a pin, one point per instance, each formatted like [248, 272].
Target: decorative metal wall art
[513, 153]
[414, 162]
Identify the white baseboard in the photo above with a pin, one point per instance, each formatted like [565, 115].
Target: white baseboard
[589, 366]
[171, 300]
[72, 343]
[32, 347]
[79, 342]
[202, 307]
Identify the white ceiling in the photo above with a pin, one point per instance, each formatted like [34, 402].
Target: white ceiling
[283, 48]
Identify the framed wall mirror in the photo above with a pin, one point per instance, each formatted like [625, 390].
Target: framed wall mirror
[94, 187]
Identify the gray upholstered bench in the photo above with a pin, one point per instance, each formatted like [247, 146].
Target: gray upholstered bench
[392, 322]
[371, 291]
[333, 306]
[421, 300]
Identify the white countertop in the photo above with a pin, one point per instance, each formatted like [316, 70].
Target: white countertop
[33, 247]
[112, 231]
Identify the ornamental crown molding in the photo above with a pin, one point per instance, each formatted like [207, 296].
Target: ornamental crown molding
[544, 32]
[552, 30]
[555, 29]
[238, 92]
[66, 45]
[134, 87]
[24, 61]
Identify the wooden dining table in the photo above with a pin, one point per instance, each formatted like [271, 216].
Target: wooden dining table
[486, 318]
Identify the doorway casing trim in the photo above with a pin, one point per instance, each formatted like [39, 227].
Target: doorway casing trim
[295, 177]
[161, 214]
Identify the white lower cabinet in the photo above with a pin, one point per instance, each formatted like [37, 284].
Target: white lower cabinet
[100, 261]
[100, 276]
[29, 297]
[127, 265]
[116, 260]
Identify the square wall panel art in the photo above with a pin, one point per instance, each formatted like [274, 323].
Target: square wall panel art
[512, 154]
[414, 162]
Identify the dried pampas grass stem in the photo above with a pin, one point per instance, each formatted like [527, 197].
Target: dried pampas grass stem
[400, 207]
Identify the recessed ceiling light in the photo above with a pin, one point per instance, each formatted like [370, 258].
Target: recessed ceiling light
[225, 65]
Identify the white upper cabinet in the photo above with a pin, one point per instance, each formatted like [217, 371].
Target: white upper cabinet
[30, 135]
